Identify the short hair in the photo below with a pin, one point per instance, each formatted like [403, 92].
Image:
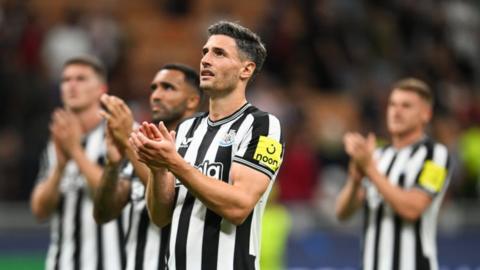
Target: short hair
[90, 61]
[191, 76]
[247, 41]
[417, 86]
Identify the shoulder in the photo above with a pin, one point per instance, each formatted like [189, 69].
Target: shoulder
[189, 120]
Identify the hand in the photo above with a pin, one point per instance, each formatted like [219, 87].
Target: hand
[119, 119]
[114, 154]
[66, 130]
[61, 156]
[360, 149]
[154, 146]
[354, 172]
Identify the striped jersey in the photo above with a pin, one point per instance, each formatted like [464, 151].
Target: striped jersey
[201, 239]
[146, 243]
[76, 241]
[391, 242]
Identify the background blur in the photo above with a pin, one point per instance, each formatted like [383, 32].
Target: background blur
[329, 68]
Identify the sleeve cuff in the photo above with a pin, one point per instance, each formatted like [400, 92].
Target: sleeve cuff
[253, 166]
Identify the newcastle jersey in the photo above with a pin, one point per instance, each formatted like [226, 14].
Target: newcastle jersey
[391, 242]
[201, 239]
[77, 242]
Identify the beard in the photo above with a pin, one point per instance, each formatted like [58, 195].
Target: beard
[168, 116]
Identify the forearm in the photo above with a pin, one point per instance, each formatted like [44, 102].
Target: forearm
[91, 171]
[349, 199]
[228, 201]
[160, 195]
[46, 195]
[141, 170]
[405, 203]
[109, 198]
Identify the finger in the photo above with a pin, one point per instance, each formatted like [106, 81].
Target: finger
[148, 132]
[156, 133]
[105, 115]
[173, 134]
[164, 131]
[133, 145]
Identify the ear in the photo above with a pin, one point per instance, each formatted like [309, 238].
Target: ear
[193, 101]
[427, 114]
[247, 70]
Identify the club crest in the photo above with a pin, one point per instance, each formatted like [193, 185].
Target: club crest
[228, 138]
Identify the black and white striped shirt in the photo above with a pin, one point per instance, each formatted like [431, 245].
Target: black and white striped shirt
[77, 242]
[201, 239]
[391, 242]
[146, 243]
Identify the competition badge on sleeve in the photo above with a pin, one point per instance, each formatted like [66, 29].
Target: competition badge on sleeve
[268, 152]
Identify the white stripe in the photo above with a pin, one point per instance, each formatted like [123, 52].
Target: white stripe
[369, 240]
[66, 258]
[111, 244]
[133, 236]
[226, 245]
[152, 248]
[407, 247]
[53, 249]
[88, 237]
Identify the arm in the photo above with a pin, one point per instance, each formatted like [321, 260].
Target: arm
[46, 194]
[409, 204]
[69, 137]
[120, 123]
[351, 196]
[233, 202]
[111, 196]
[160, 195]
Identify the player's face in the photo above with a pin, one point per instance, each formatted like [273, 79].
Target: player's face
[407, 112]
[221, 65]
[81, 87]
[169, 96]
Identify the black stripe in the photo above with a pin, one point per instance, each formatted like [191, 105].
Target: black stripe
[242, 258]
[366, 218]
[184, 220]
[162, 256]
[77, 233]
[378, 219]
[211, 230]
[60, 212]
[122, 241]
[421, 262]
[429, 145]
[130, 216]
[141, 239]
[397, 228]
[99, 247]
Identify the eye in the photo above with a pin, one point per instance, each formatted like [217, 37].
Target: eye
[204, 51]
[153, 87]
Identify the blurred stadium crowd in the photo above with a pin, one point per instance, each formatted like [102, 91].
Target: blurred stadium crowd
[329, 68]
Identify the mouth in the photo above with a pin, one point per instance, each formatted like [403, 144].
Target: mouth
[206, 74]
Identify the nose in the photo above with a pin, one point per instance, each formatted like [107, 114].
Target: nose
[157, 95]
[205, 62]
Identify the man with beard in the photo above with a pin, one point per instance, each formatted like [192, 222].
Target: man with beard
[175, 96]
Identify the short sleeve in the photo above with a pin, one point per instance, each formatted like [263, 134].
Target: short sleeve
[262, 146]
[432, 177]
[47, 160]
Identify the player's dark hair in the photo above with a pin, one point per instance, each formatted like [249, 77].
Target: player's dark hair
[191, 76]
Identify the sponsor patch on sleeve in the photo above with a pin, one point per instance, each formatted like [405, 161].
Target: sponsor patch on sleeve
[268, 152]
[433, 176]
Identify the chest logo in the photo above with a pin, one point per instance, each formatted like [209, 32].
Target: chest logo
[228, 138]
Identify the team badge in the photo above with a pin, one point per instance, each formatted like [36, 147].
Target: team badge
[228, 139]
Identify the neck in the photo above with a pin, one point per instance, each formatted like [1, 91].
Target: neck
[89, 118]
[223, 106]
[402, 140]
